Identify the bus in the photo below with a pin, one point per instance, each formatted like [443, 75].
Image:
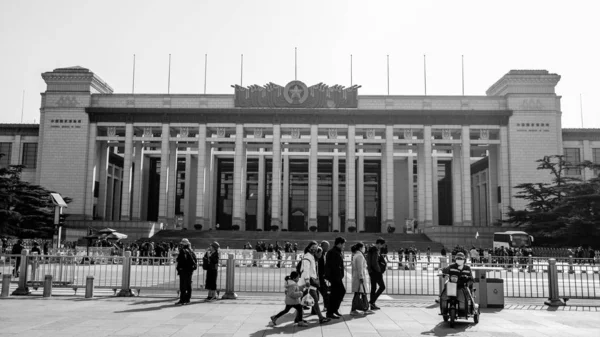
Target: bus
[512, 239]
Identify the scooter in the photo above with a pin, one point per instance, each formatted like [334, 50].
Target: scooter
[451, 309]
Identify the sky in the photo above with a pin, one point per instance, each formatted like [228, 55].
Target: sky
[560, 36]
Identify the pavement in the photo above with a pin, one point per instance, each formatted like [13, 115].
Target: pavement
[154, 314]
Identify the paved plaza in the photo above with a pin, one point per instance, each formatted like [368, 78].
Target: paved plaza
[155, 315]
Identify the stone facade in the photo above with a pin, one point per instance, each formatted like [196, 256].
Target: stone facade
[124, 157]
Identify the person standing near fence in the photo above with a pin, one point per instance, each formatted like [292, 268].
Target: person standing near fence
[16, 250]
[210, 263]
[376, 266]
[334, 274]
[186, 264]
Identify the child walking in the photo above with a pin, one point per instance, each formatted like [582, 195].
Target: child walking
[293, 293]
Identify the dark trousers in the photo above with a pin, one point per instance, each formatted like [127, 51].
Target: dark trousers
[185, 286]
[316, 310]
[287, 309]
[337, 296]
[323, 291]
[376, 281]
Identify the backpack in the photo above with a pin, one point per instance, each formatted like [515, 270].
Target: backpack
[299, 266]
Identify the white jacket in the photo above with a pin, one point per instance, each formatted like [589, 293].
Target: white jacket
[309, 269]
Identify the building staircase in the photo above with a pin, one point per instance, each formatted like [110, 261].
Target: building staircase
[237, 239]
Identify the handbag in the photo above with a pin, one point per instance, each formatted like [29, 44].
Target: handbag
[361, 302]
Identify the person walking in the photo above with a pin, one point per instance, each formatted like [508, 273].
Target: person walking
[309, 277]
[210, 263]
[323, 287]
[376, 265]
[293, 293]
[334, 275]
[186, 264]
[359, 275]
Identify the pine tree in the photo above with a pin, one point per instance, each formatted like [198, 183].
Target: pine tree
[26, 210]
[565, 211]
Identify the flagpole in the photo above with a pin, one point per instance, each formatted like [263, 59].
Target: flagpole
[169, 83]
[133, 82]
[425, 72]
[581, 109]
[295, 63]
[22, 105]
[463, 73]
[350, 69]
[388, 74]
[205, 63]
[242, 72]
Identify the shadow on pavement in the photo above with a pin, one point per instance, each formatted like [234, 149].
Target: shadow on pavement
[444, 329]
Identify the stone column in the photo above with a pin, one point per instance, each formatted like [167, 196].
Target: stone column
[351, 178]
[127, 172]
[384, 188]
[434, 194]
[411, 190]
[138, 172]
[421, 182]
[276, 179]
[389, 179]
[456, 186]
[190, 195]
[312, 176]
[335, 175]
[201, 178]
[493, 184]
[285, 209]
[360, 194]
[260, 205]
[118, 186]
[164, 173]
[586, 173]
[172, 183]
[427, 177]
[103, 181]
[210, 195]
[91, 172]
[504, 176]
[466, 174]
[239, 197]
[15, 156]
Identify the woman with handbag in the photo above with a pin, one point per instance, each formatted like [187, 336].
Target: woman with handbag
[360, 302]
[310, 279]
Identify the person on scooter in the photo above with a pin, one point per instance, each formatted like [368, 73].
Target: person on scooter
[460, 269]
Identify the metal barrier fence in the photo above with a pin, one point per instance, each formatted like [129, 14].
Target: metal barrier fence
[523, 277]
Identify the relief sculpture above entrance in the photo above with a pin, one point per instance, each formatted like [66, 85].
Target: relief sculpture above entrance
[296, 95]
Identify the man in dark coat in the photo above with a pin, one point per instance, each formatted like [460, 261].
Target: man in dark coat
[17, 248]
[186, 264]
[334, 274]
[376, 265]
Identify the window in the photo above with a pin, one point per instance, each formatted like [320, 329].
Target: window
[572, 157]
[596, 159]
[5, 151]
[29, 155]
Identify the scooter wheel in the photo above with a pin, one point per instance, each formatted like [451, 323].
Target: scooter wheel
[445, 318]
[452, 317]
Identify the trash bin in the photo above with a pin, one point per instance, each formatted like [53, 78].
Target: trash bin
[495, 293]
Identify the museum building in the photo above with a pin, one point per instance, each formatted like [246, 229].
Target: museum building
[293, 157]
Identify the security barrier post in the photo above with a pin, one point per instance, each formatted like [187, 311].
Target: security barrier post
[47, 286]
[5, 285]
[571, 269]
[443, 264]
[553, 299]
[230, 281]
[89, 286]
[23, 289]
[125, 290]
